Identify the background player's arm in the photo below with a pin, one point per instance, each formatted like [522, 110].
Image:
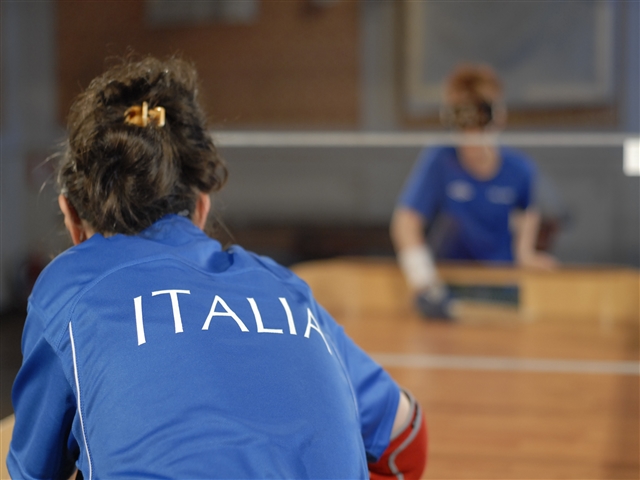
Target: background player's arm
[527, 223]
[417, 263]
[407, 228]
[414, 255]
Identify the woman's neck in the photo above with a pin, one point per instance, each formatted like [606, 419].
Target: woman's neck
[480, 161]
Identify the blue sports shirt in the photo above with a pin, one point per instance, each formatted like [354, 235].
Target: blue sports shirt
[162, 355]
[473, 214]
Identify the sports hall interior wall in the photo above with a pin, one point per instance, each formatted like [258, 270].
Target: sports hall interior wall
[294, 66]
[297, 67]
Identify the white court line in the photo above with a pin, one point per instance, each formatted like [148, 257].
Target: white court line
[413, 139]
[510, 364]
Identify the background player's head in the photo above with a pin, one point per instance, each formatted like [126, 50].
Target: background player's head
[120, 173]
[473, 98]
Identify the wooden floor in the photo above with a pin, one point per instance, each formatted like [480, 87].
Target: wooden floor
[547, 389]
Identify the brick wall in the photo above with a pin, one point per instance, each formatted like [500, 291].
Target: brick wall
[295, 67]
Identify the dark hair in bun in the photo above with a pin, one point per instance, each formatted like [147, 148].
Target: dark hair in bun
[120, 177]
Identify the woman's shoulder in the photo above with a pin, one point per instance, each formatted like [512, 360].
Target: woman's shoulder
[436, 160]
[438, 153]
[247, 259]
[115, 260]
[515, 157]
[71, 272]
[517, 161]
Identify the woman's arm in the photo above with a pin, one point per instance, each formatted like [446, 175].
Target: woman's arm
[407, 228]
[527, 224]
[42, 445]
[406, 454]
[414, 256]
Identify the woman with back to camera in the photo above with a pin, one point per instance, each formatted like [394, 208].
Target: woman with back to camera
[469, 195]
[151, 352]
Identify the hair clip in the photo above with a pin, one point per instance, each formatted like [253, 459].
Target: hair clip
[143, 116]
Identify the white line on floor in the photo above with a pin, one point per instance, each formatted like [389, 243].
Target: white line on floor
[511, 364]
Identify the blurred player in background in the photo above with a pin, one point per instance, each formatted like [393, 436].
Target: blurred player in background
[151, 352]
[476, 201]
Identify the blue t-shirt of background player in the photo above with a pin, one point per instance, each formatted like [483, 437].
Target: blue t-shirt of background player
[470, 216]
[161, 355]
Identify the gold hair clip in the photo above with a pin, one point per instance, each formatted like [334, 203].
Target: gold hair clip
[143, 116]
